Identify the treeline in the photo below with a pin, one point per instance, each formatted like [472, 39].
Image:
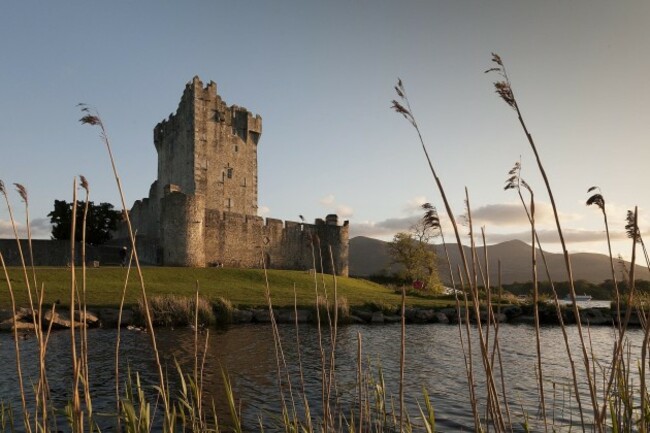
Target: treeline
[602, 291]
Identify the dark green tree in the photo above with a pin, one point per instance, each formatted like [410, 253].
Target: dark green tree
[100, 221]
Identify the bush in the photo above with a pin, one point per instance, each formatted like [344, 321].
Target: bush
[382, 306]
[223, 311]
[324, 307]
[172, 310]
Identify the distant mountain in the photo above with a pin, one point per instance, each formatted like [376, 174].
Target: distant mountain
[370, 256]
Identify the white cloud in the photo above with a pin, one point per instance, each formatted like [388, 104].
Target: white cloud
[344, 211]
[414, 205]
[513, 214]
[40, 228]
[263, 210]
[328, 200]
[330, 203]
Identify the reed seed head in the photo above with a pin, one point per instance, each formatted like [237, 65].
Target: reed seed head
[89, 119]
[430, 218]
[515, 180]
[2, 188]
[504, 90]
[22, 191]
[631, 227]
[84, 182]
[598, 200]
[502, 87]
[403, 107]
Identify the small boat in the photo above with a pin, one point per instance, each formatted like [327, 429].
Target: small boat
[579, 298]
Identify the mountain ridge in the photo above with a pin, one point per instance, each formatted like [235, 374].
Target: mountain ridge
[369, 256]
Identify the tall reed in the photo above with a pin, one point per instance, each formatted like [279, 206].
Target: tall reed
[504, 90]
[91, 117]
[403, 107]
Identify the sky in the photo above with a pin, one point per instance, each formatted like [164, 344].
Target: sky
[322, 76]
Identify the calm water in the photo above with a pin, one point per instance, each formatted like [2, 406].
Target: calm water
[434, 360]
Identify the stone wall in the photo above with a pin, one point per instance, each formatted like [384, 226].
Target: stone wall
[57, 253]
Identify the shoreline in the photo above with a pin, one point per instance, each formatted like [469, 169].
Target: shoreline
[512, 314]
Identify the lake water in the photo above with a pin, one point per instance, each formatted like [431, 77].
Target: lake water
[434, 360]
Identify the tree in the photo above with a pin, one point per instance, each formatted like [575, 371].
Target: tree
[100, 221]
[413, 251]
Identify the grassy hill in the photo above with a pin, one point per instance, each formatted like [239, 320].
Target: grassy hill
[243, 287]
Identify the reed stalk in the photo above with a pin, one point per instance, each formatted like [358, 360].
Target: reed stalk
[84, 307]
[77, 420]
[598, 200]
[281, 363]
[313, 239]
[91, 117]
[305, 401]
[359, 382]
[333, 327]
[497, 350]
[402, 359]
[504, 90]
[19, 368]
[119, 339]
[404, 108]
[515, 181]
[467, 353]
[493, 406]
[42, 393]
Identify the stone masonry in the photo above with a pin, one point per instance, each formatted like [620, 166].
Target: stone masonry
[202, 209]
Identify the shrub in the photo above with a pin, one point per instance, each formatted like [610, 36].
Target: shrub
[173, 310]
[223, 311]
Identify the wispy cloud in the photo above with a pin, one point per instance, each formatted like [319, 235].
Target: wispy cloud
[388, 227]
[263, 211]
[383, 229]
[513, 214]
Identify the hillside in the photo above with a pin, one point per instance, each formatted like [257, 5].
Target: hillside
[370, 256]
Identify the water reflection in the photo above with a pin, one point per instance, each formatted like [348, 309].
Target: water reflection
[434, 360]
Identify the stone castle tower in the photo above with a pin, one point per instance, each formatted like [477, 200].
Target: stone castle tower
[202, 209]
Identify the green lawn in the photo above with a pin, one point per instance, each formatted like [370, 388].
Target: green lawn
[243, 287]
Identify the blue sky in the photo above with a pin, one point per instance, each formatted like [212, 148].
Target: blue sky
[321, 74]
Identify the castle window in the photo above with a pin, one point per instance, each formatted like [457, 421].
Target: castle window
[236, 148]
[244, 182]
[228, 203]
[229, 173]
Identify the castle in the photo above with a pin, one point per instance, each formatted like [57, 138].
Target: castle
[202, 209]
